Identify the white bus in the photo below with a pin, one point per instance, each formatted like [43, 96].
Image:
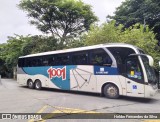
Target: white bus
[110, 69]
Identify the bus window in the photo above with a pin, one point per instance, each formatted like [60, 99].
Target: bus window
[63, 59]
[51, 60]
[100, 57]
[80, 58]
[45, 61]
[27, 62]
[120, 54]
[133, 69]
[33, 62]
[20, 62]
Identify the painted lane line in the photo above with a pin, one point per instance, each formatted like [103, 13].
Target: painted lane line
[64, 111]
[40, 111]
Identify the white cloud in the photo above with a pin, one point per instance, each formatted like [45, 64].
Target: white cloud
[15, 21]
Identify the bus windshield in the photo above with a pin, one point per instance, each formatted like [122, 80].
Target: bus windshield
[149, 70]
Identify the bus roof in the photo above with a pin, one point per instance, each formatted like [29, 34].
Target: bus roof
[81, 49]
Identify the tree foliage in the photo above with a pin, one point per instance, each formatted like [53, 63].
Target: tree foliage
[139, 11]
[135, 35]
[22, 45]
[62, 18]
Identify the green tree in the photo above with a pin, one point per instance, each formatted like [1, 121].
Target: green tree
[23, 45]
[135, 35]
[139, 11]
[3, 68]
[12, 50]
[37, 44]
[62, 18]
[105, 33]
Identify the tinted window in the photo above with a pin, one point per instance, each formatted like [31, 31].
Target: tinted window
[20, 62]
[80, 58]
[28, 62]
[149, 70]
[44, 61]
[100, 57]
[62, 59]
[120, 54]
[52, 60]
[133, 69]
[49, 60]
[33, 62]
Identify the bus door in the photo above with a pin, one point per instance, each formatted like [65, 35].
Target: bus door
[134, 77]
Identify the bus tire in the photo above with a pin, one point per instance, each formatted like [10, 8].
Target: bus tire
[38, 85]
[111, 91]
[30, 84]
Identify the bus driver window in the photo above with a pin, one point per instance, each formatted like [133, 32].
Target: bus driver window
[133, 69]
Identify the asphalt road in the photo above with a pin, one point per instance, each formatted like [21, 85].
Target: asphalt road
[17, 99]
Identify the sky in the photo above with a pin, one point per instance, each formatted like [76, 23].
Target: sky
[15, 21]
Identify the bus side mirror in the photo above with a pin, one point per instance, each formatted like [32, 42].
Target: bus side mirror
[159, 63]
[151, 61]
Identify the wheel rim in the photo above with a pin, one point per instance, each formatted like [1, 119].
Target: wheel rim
[37, 85]
[112, 91]
[30, 84]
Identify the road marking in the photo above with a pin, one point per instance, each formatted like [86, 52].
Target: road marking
[40, 111]
[65, 111]
[57, 110]
[151, 121]
[71, 110]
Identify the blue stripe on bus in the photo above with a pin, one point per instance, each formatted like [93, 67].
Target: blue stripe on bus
[58, 81]
[104, 70]
[60, 75]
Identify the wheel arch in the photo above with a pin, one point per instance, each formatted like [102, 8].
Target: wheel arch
[42, 82]
[29, 80]
[37, 80]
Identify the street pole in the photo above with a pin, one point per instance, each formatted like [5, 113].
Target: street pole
[159, 81]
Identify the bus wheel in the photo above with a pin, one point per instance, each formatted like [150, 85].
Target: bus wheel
[30, 84]
[38, 85]
[111, 91]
